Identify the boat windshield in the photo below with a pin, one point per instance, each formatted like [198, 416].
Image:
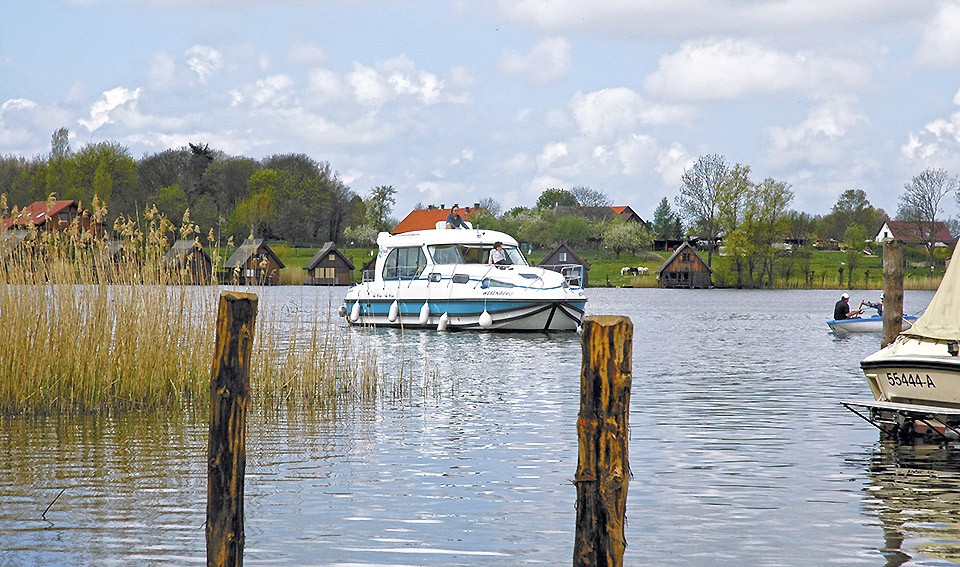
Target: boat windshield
[471, 254]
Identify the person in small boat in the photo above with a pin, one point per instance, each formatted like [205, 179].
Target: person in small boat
[497, 255]
[454, 220]
[878, 305]
[842, 309]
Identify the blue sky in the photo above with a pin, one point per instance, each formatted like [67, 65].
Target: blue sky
[461, 100]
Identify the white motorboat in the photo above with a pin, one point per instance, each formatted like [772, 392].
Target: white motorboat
[873, 324]
[441, 279]
[921, 365]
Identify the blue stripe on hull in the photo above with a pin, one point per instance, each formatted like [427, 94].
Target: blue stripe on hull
[464, 308]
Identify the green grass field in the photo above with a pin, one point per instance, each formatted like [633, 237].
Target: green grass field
[605, 268]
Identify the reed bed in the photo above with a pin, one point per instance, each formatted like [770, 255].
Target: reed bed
[90, 331]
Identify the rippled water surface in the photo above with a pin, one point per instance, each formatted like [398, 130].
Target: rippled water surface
[740, 451]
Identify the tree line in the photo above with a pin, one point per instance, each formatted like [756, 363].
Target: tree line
[299, 200]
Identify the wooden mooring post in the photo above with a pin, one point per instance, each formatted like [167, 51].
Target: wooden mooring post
[892, 290]
[226, 448]
[603, 468]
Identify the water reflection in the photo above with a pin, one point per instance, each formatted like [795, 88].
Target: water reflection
[915, 493]
[740, 451]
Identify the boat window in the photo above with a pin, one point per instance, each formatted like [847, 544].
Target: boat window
[461, 278]
[404, 263]
[435, 277]
[446, 254]
[514, 256]
[487, 282]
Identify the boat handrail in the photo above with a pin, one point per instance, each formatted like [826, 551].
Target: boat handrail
[572, 273]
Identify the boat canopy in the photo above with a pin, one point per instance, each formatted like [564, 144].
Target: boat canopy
[941, 320]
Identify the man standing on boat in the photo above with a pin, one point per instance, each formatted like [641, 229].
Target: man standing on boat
[842, 309]
[454, 220]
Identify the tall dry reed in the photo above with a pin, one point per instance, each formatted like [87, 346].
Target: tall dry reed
[97, 324]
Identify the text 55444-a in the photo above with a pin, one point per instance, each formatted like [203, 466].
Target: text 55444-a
[910, 379]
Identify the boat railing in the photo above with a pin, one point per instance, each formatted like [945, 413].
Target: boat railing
[367, 275]
[573, 273]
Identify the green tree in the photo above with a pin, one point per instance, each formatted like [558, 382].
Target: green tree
[851, 207]
[699, 200]
[665, 222]
[379, 206]
[621, 236]
[553, 198]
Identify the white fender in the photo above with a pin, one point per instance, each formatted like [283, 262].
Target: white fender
[355, 312]
[485, 319]
[424, 313]
[394, 311]
[444, 320]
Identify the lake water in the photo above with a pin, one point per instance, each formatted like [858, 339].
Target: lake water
[740, 451]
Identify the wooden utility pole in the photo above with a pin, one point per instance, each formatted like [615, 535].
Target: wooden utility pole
[892, 290]
[226, 448]
[603, 467]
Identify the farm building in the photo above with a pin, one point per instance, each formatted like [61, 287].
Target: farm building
[54, 215]
[328, 267]
[915, 233]
[564, 260]
[685, 269]
[189, 263]
[253, 263]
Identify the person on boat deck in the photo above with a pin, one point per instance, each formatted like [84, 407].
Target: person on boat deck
[497, 255]
[842, 309]
[878, 305]
[454, 220]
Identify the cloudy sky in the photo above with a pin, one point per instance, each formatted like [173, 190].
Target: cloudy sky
[460, 100]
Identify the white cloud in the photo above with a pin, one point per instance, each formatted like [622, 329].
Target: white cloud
[823, 137]
[940, 43]
[112, 101]
[548, 61]
[691, 18]
[607, 112]
[672, 162]
[369, 88]
[937, 144]
[324, 86]
[550, 154]
[733, 68]
[204, 61]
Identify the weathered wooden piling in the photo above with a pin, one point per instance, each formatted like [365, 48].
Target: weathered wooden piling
[892, 290]
[603, 468]
[226, 448]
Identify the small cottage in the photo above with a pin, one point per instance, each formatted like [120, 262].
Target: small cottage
[915, 232]
[328, 267]
[254, 263]
[685, 269]
[188, 262]
[54, 215]
[564, 260]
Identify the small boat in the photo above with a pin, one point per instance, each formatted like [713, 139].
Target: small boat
[872, 324]
[915, 380]
[441, 279]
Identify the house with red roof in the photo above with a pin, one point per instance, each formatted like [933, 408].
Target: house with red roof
[913, 232]
[425, 219]
[45, 215]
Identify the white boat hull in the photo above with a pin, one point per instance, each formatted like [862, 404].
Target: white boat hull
[914, 371]
[442, 279]
[865, 324]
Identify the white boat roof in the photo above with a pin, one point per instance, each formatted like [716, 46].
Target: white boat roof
[444, 236]
[941, 320]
